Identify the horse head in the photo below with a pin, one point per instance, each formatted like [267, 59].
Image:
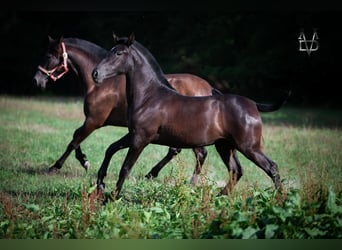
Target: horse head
[53, 64]
[117, 61]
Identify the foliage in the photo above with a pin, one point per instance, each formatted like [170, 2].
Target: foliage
[34, 132]
[250, 53]
[177, 213]
[261, 216]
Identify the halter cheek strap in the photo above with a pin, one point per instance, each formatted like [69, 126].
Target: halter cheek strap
[63, 66]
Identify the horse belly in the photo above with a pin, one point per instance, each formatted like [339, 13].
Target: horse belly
[186, 137]
[191, 124]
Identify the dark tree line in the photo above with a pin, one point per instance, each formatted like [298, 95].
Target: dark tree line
[250, 53]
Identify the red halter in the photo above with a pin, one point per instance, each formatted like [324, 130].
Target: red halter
[63, 66]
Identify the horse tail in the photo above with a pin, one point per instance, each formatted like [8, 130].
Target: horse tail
[216, 92]
[275, 106]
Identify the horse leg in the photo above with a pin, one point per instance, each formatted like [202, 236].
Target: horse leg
[261, 160]
[82, 158]
[200, 154]
[155, 170]
[131, 157]
[79, 135]
[237, 171]
[111, 150]
[229, 158]
[236, 161]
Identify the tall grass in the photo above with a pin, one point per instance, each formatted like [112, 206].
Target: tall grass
[34, 132]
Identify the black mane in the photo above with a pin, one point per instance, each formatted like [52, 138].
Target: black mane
[86, 45]
[151, 60]
[154, 64]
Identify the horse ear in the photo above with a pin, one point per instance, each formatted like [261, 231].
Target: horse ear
[61, 39]
[50, 39]
[115, 37]
[131, 39]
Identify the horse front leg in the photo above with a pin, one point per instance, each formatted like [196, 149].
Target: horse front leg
[155, 170]
[131, 157]
[79, 135]
[111, 150]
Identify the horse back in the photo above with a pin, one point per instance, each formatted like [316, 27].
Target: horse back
[189, 85]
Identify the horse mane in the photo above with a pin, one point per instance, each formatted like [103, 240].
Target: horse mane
[86, 45]
[153, 63]
[150, 59]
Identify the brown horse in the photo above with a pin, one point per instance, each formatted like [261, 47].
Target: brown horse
[106, 104]
[157, 114]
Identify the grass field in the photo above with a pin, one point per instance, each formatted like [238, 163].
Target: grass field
[34, 132]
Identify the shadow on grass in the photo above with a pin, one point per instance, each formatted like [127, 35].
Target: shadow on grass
[43, 170]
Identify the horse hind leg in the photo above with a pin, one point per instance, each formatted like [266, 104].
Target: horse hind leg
[230, 159]
[82, 158]
[237, 170]
[155, 170]
[59, 163]
[266, 164]
[79, 135]
[200, 154]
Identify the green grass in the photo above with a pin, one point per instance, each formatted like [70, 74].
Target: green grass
[34, 132]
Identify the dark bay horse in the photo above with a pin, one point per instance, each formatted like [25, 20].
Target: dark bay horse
[157, 114]
[106, 104]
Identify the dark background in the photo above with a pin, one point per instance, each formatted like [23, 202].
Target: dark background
[251, 52]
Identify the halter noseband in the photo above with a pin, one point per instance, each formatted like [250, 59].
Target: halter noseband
[63, 66]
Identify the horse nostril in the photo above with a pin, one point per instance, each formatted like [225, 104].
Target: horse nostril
[95, 74]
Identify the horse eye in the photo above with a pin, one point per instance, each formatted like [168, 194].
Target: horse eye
[119, 53]
[51, 57]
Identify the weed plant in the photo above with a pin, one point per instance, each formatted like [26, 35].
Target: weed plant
[34, 132]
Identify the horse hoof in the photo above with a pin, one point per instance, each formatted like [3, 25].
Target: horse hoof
[107, 198]
[224, 192]
[151, 176]
[53, 170]
[194, 180]
[105, 201]
[101, 187]
[86, 165]
[148, 176]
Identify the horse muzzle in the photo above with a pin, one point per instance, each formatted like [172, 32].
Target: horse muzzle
[97, 77]
[39, 82]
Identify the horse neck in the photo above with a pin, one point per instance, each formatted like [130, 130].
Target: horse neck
[83, 62]
[144, 81]
[137, 91]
